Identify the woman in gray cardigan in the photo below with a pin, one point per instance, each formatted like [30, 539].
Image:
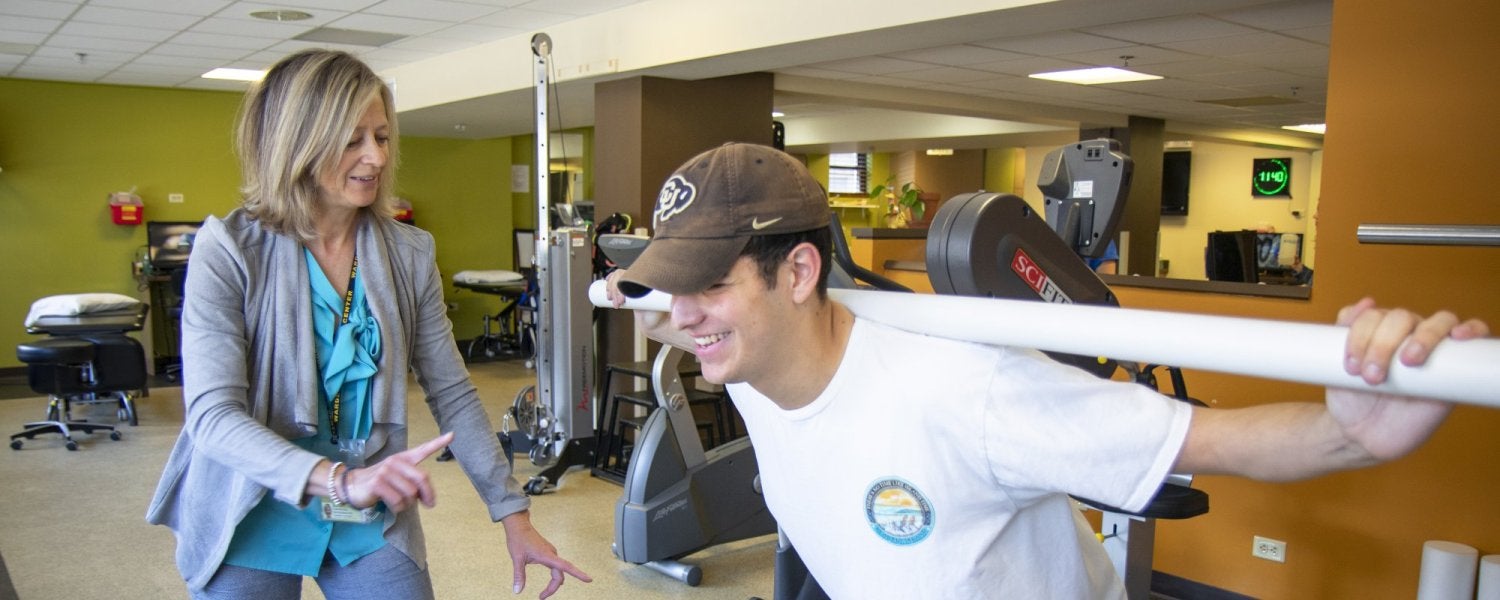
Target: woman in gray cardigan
[304, 310]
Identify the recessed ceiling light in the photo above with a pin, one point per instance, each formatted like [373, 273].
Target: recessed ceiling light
[1318, 128]
[940, 152]
[234, 74]
[281, 15]
[1094, 76]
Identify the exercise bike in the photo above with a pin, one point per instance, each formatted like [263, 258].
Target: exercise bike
[679, 498]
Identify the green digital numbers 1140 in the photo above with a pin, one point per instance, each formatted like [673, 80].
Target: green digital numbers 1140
[1271, 177]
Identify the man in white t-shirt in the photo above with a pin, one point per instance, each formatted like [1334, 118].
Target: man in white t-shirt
[902, 465]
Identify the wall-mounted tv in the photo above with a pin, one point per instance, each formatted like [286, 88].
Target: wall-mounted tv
[1176, 171]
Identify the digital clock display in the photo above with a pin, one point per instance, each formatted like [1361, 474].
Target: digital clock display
[1272, 177]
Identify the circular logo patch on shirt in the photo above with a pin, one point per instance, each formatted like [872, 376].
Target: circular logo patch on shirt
[898, 512]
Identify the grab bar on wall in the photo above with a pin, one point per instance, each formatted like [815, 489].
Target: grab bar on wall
[1430, 235]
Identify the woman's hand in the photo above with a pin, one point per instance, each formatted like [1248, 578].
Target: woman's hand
[397, 481]
[527, 546]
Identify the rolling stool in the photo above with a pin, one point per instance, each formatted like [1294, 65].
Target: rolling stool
[60, 367]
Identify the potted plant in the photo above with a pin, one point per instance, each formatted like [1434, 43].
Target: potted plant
[902, 206]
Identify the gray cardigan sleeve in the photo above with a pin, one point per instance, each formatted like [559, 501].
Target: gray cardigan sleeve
[221, 420]
[452, 397]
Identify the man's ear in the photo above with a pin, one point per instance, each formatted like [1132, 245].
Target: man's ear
[805, 264]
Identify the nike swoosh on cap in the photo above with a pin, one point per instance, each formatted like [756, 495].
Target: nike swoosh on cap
[757, 224]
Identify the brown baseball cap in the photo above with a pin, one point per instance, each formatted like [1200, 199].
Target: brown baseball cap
[711, 206]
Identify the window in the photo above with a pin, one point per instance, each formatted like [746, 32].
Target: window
[848, 173]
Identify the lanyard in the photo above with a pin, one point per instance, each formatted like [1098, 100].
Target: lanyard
[337, 401]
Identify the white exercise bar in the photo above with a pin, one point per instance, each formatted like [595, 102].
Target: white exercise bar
[1467, 371]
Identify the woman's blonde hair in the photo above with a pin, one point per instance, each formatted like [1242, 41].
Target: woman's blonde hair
[295, 124]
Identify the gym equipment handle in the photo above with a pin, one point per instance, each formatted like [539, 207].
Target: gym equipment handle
[1467, 372]
[1430, 235]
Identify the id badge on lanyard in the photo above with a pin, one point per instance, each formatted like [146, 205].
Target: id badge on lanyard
[352, 450]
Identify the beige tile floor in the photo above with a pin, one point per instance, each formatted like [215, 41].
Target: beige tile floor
[72, 525]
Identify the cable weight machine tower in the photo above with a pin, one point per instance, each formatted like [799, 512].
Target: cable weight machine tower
[556, 414]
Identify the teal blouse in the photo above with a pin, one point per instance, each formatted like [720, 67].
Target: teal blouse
[277, 536]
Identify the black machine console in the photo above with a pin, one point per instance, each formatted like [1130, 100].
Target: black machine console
[995, 245]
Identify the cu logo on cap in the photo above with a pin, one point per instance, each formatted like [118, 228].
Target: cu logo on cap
[676, 195]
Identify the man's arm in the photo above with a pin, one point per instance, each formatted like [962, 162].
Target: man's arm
[1283, 442]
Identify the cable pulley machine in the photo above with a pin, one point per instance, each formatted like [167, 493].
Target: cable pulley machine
[556, 414]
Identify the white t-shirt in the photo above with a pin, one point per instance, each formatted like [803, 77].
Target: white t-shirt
[931, 468]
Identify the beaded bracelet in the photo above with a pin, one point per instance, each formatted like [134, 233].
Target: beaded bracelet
[344, 485]
[333, 492]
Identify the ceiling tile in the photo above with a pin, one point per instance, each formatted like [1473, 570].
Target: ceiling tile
[257, 28]
[36, 8]
[101, 64]
[428, 43]
[32, 24]
[1284, 15]
[200, 63]
[241, 11]
[22, 72]
[222, 41]
[1171, 29]
[316, 6]
[579, 7]
[1052, 44]
[1140, 56]
[1198, 66]
[1285, 60]
[128, 77]
[76, 43]
[873, 65]
[945, 75]
[1320, 35]
[22, 37]
[476, 33]
[523, 18]
[177, 48]
[1255, 52]
[223, 85]
[183, 7]
[386, 24]
[442, 10]
[1028, 66]
[957, 55]
[123, 17]
[1242, 44]
[72, 55]
[115, 32]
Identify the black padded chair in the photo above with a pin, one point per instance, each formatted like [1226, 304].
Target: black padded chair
[87, 359]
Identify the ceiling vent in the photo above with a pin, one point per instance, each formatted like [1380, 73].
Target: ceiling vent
[351, 37]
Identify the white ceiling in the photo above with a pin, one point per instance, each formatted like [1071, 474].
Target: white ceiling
[954, 81]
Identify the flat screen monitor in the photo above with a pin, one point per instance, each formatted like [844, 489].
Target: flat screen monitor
[1277, 250]
[169, 243]
[525, 250]
[1176, 179]
[1230, 256]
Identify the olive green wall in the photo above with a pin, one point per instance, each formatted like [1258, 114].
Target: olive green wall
[460, 192]
[64, 146]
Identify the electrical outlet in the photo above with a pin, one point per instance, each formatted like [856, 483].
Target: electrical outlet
[174, 198]
[1269, 549]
